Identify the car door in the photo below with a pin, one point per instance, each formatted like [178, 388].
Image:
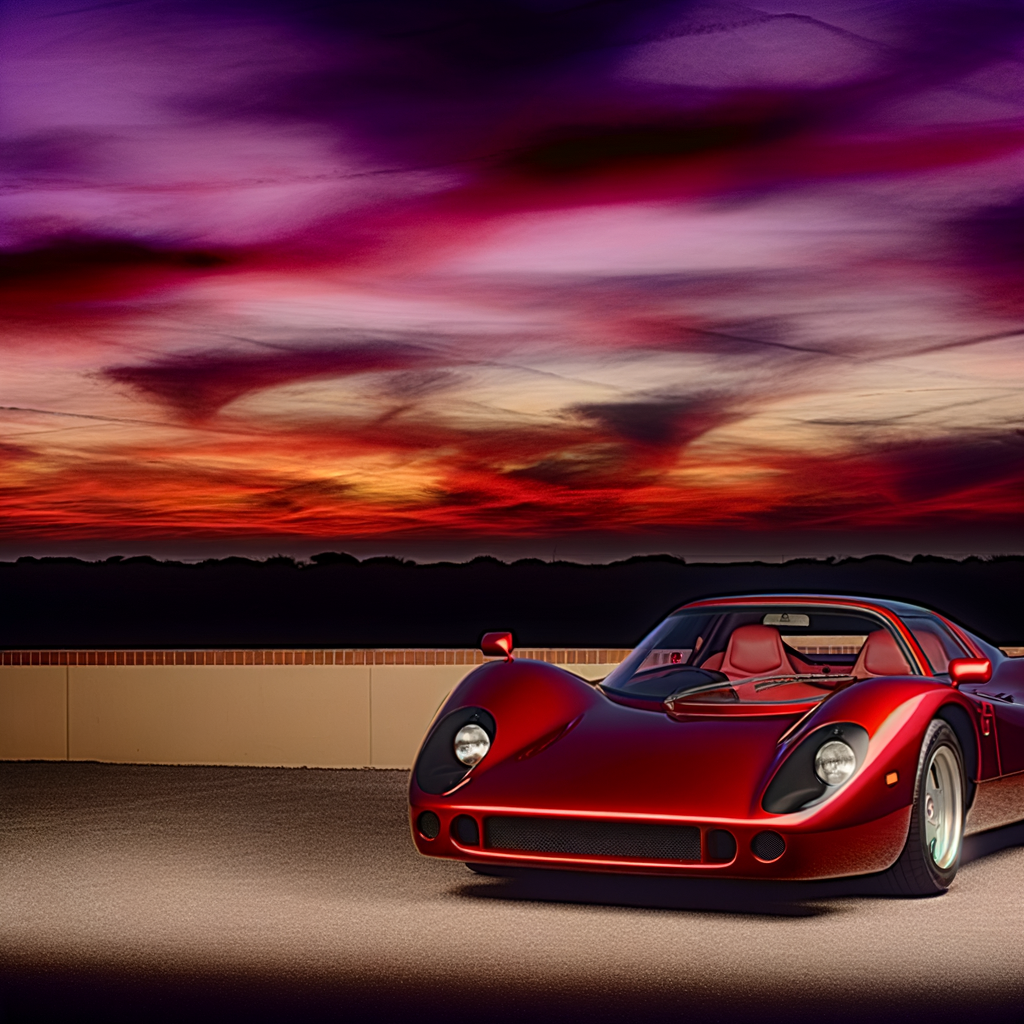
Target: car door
[940, 646]
[1004, 692]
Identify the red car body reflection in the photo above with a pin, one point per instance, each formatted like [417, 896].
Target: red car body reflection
[729, 774]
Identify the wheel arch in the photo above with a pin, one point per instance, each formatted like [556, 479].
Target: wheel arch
[963, 727]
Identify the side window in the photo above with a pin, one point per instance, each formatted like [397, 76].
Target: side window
[939, 645]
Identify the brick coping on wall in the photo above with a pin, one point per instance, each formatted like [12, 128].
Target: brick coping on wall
[350, 656]
[368, 656]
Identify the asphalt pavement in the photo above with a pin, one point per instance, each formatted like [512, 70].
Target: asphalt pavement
[186, 893]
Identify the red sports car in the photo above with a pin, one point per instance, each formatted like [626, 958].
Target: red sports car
[761, 737]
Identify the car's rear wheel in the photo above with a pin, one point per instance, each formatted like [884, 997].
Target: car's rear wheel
[930, 859]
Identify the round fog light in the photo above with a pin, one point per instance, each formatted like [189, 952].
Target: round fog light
[834, 762]
[471, 743]
[429, 825]
[768, 846]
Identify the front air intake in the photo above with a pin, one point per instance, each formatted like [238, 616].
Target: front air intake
[719, 846]
[429, 825]
[768, 845]
[593, 838]
[465, 831]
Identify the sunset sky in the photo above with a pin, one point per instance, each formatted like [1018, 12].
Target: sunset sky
[526, 277]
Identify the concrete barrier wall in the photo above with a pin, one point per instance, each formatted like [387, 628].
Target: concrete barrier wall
[225, 715]
[335, 709]
[34, 713]
[275, 714]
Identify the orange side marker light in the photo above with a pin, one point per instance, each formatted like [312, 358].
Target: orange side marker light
[892, 778]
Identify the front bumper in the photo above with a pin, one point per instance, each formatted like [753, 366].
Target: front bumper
[806, 854]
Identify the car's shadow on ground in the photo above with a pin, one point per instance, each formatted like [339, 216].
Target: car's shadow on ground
[776, 899]
[650, 892]
[992, 841]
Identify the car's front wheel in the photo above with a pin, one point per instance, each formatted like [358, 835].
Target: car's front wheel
[930, 860]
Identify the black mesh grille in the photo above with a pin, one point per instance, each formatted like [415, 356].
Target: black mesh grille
[768, 845]
[429, 824]
[594, 838]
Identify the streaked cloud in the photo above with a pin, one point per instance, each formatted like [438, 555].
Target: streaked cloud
[514, 270]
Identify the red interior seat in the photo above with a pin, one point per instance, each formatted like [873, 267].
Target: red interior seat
[755, 651]
[880, 656]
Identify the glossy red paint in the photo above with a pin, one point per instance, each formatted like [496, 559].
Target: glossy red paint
[564, 749]
[970, 670]
[497, 645]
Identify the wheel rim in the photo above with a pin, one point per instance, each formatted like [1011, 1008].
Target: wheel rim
[943, 807]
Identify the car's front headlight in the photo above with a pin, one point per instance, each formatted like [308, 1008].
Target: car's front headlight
[471, 744]
[820, 763]
[834, 762]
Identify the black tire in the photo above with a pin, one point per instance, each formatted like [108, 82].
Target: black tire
[931, 857]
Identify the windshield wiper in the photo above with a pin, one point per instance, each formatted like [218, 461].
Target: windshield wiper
[706, 688]
[812, 679]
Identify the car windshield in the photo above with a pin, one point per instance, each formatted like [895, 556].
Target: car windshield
[759, 654]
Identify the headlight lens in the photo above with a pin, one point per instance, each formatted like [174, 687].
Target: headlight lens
[471, 743]
[834, 762]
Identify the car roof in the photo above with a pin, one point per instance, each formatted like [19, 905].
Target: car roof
[899, 607]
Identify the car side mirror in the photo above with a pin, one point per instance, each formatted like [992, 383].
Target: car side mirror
[497, 645]
[970, 670]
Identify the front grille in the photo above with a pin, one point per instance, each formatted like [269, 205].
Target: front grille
[593, 838]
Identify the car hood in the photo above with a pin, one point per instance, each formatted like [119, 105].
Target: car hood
[622, 760]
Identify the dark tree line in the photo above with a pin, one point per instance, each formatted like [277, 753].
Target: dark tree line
[338, 601]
